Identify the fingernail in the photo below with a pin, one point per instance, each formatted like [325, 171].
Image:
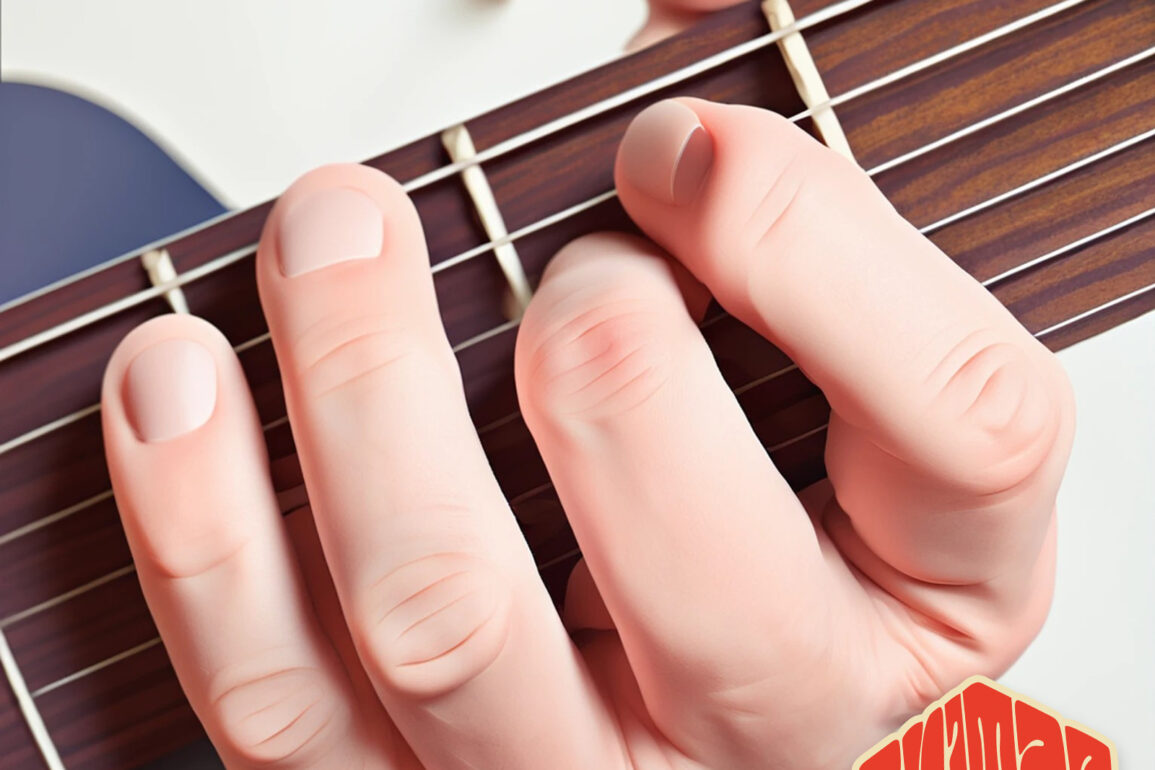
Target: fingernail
[667, 153]
[334, 225]
[170, 389]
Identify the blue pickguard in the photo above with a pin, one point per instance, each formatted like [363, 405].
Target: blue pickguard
[80, 185]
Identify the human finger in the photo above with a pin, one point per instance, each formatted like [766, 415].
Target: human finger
[707, 564]
[951, 423]
[443, 600]
[190, 475]
[669, 17]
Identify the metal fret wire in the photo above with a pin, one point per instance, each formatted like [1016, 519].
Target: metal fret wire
[544, 487]
[607, 196]
[514, 143]
[27, 708]
[989, 282]
[543, 566]
[598, 200]
[567, 121]
[638, 92]
[529, 229]
[1066, 248]
[1046, 178]
[1053, 254]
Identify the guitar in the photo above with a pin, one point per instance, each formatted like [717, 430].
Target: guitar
[1019, 136]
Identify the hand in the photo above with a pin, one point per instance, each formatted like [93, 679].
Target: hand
[718, 620]
[668, 17]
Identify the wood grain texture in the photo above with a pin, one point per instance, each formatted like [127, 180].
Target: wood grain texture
[907, 115]
[132, 711]
[17, 747]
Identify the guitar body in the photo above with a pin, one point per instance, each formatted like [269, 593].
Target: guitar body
[1048, 205]
[104, 184]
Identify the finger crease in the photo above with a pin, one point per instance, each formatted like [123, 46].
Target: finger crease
[447, 652]
[264, 677]
[421, 591]
[435, 612]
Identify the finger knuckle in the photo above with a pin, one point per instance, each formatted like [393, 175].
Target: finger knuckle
[285, 717]
[741, 243]
[337, 352]
[435, 623]
[1008, 406]
[788, 187]
[194, 542]
[603, 356]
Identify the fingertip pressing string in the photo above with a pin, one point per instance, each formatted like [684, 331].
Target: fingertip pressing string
[459, 144]
[158, 264]
[806, 77]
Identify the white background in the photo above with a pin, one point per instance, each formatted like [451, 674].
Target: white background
[248, 94]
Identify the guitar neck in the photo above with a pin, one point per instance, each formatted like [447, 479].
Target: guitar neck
[1026, 156]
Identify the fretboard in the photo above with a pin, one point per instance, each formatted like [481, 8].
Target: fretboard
[1019, 136]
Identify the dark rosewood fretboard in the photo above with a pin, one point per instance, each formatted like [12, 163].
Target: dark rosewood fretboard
[70, 607]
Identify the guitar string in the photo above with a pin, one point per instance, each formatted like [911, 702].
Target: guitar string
[1030, 185]
[815, 431]
[540, 132]
[538, 490]
[1095, 157]
[129, 569]
[607, 196]
[598, 200]
[988, 283]
[155, 640]
[938, 58]
[1084, 162]
[567, 121]
[542, 566]
[548, 129]
[878, 169]
[679, 76]
[544, 487]
[1019, 109]
[574, 118]
[738, 391]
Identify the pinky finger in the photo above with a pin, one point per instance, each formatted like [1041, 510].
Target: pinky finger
[217, 568]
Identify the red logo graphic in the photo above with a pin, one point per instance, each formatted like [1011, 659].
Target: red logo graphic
[981, 725]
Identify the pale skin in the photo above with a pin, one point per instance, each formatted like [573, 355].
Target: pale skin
[718, 620]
